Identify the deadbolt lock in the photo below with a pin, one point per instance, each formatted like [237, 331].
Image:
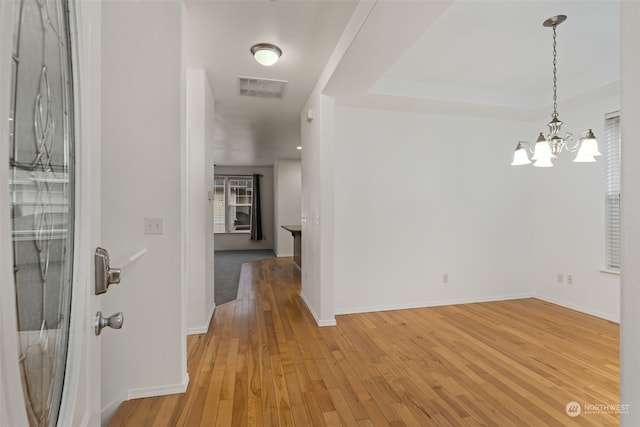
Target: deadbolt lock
[105, 275]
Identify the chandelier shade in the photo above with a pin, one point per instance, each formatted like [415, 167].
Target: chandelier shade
[588, 149]
[520, 157]
[547, 148]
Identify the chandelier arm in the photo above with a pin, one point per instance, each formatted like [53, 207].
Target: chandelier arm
[572, 148]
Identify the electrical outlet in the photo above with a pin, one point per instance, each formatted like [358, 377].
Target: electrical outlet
[153, 226]
[560, 278]
[570, 279]
[445, 278]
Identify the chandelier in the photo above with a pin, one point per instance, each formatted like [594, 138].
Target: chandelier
[548, 147]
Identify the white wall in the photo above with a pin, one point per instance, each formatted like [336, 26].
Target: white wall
[210, 129]
[199, 215]
[287, 176]
[143, 141]
[418, 196]
[568, 224]
[317, 215]
[317, 208]
[630, 205]
[242, 241]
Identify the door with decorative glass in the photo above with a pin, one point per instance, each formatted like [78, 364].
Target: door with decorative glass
[50, 356]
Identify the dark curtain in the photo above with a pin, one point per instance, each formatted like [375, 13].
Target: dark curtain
[256, 212]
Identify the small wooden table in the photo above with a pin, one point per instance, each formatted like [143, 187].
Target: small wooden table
[296, 232]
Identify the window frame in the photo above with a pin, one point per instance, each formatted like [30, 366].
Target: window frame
[229, 205]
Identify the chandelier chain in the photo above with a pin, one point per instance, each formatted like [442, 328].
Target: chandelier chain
[555, 79]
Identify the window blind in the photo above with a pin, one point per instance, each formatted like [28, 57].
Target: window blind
[612, 205]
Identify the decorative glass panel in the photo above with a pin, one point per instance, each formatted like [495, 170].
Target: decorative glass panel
[42, 191]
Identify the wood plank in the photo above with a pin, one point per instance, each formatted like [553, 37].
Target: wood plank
[264, 363]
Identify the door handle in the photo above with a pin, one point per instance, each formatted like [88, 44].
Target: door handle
[114, 321]
[105, 275]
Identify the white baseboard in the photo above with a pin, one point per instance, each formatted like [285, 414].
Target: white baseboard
[211, 312]
[584, 310]
[162, 390]
[319, 322]
[355, 310]
[424, 304]
[197, 331]
[204, 328]
[110, 410]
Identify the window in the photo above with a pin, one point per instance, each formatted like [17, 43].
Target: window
[232, 203]
[612, 205]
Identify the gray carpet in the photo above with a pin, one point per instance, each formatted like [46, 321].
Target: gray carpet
[227, 265]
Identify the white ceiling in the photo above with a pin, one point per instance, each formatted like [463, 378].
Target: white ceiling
[498, 53]
[485, 58]
[256, 131]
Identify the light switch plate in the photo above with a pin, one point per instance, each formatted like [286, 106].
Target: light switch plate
[153, 226]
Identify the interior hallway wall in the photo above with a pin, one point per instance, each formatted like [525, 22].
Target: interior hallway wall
[209, 132]
[287, 187]
[630, 214]
[143, 143]
[317, 214]
[199, 215]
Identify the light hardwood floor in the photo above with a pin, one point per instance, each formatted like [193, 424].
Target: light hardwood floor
[510, 363]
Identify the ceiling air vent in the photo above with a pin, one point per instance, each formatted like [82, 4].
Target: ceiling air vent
[261, 88]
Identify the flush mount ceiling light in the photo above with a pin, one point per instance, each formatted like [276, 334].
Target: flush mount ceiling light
[266, 54]
[548, 147]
